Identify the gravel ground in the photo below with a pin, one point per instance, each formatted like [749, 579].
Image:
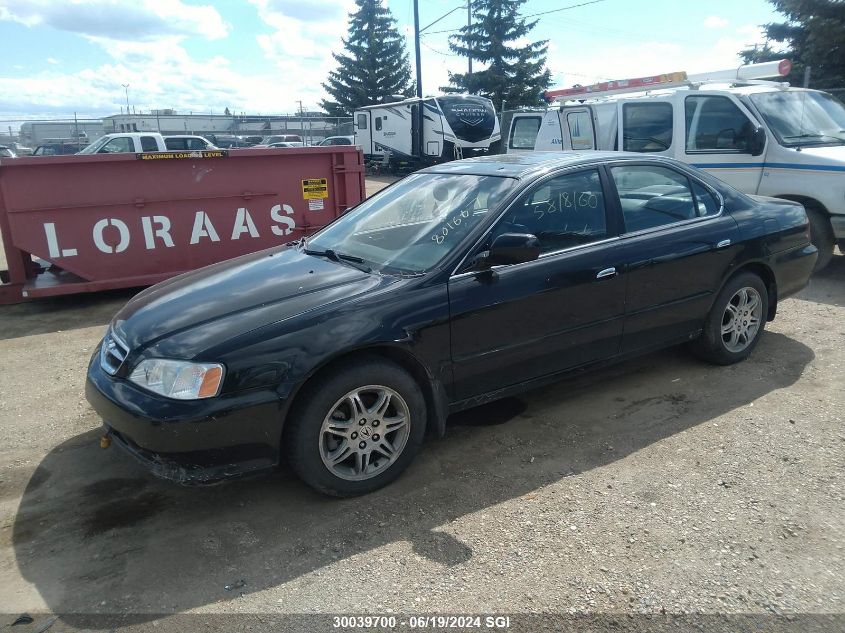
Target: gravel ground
[657, 485]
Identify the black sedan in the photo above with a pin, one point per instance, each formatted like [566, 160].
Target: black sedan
[462, 283]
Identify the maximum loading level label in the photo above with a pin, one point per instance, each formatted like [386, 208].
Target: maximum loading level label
[315, 188]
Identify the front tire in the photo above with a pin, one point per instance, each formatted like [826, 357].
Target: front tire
[356, 428]
[821, 234]
[735, 323]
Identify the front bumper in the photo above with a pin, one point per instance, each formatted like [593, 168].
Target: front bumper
[191, 442]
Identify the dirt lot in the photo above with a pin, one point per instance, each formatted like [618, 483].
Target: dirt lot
[662, 484]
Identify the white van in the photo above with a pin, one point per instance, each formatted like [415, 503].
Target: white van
[762, 137]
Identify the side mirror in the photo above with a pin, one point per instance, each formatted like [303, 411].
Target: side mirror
[513, 248]
[757, 142]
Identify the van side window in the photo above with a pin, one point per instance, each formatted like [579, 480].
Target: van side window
[362, 121]
[148, 144]
[647, 127]
[653, 196]
[524, 132]
[714, 123]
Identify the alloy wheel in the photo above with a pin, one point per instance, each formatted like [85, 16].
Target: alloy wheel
[364, 433]
[741, 319]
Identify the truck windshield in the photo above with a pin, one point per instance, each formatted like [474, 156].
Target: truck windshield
[413, 225]
[802, 117]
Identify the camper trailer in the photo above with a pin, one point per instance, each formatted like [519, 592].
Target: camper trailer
[418, 132]
[762, 137]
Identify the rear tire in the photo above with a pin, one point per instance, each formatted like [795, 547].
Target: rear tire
[821, 234]
[356, 428]
[736, 321]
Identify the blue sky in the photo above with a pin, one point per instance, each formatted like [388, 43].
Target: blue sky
[61, 56]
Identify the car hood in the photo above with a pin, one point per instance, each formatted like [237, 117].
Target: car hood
[203, 308]
[825, 155]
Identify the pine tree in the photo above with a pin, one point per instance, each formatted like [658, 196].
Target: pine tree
[374, 64]
[512, 74]
[813, 35]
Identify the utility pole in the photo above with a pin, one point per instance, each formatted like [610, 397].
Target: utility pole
[126, 88]
[417, 46]
[417, 142]
[469, 44]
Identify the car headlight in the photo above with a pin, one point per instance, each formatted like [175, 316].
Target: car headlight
[178, 379]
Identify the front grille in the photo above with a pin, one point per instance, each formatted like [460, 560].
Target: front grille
[112, 353]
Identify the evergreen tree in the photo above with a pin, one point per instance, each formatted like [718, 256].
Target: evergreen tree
[513, 74]
[374, 64]
[813, 35]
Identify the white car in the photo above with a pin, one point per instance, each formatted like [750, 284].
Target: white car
[337, 140]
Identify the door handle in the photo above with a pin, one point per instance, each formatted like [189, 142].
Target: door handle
[606, 273]
[723, 244]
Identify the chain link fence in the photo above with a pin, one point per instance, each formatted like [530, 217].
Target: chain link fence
[31, 132]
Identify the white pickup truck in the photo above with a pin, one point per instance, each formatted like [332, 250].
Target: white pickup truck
[137, 142]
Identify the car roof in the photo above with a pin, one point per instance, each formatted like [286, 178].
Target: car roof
[532, 163]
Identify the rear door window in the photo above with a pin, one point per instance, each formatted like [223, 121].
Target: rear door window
[647, 127]
[524, 132]
[362, 121]
[148, 144]
[652, 196]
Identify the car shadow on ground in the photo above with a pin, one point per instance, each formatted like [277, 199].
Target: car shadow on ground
[95, 533]
[62, 313]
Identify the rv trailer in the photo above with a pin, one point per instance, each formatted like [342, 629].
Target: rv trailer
[418, 132]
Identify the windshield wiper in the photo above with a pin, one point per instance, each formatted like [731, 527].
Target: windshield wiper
[333, 255]
[816, 136]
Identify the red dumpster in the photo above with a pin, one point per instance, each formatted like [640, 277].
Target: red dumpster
[86, 223]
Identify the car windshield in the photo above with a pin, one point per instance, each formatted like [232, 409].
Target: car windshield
[803, 117]
[413, 225]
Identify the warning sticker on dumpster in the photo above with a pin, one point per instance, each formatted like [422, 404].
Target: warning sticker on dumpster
[181, 155]
[315, 188]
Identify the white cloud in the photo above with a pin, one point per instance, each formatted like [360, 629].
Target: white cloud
[131, 20]
[715, 22]
[52, 60]
[301, 42]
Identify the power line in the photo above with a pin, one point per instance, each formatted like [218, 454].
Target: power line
[431, 48]
[530, 15]
[573, 6]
